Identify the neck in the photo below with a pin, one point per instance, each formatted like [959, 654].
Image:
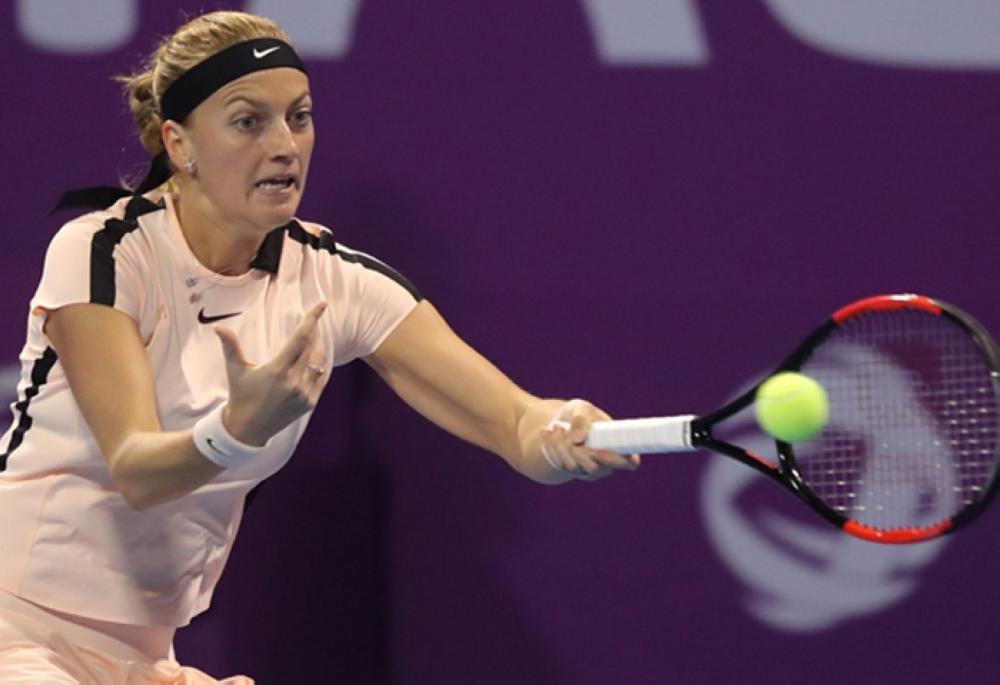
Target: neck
[222, 246]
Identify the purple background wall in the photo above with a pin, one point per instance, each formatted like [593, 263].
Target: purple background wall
[651, 236]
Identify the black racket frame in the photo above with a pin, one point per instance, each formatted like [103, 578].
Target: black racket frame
[786, 472]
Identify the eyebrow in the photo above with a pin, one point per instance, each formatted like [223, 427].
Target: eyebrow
[259, 103]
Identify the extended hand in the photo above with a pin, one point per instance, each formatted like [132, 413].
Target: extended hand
[264, 399]
[565, 449]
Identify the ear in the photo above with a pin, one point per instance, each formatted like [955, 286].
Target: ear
[176, 143]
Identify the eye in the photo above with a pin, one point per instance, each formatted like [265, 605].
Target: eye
[302, 117]
[246, 123]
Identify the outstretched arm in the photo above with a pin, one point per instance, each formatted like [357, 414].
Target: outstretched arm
[451, 384]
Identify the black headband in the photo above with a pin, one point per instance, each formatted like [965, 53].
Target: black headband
[196, 84]
[192, 88]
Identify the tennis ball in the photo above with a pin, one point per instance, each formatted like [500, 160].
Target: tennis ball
[792, 407]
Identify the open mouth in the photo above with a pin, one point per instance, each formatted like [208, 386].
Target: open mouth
[276, 183]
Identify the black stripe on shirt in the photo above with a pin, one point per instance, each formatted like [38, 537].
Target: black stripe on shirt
[269, 256]
[325, 242]
[39, 376]
[103, 244]
[102, 291]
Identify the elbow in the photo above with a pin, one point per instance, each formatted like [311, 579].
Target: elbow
[136, 503]
[137, 498]
[137, 495]
[141, 499]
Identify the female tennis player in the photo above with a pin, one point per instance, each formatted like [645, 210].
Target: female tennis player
[177, 344]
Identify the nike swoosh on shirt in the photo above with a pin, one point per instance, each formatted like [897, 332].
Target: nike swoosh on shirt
[260, 54]
[203, 318]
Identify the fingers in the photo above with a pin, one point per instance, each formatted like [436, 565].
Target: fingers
[316, 373]
[564, 444]
[231, 351]
[299, 343]
[307, 354]
[564, 452]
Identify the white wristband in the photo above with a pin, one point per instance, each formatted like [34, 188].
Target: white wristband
[218, 445]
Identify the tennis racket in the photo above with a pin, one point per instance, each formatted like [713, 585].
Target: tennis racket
[910, 451]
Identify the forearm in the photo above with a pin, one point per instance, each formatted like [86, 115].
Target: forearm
[451, 384]
[155, 467]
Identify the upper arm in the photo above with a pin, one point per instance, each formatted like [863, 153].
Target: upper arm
[448, 382]
[108, 371]
[93, 290]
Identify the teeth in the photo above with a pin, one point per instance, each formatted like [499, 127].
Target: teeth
[271, 184]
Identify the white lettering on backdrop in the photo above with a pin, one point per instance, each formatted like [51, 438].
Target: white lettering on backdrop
[77, 28]
[924, 34]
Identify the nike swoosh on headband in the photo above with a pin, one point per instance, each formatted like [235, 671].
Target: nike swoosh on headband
[202, 318]
[259, 54]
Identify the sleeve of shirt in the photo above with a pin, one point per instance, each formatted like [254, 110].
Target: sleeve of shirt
[378, 297]
[93, 259]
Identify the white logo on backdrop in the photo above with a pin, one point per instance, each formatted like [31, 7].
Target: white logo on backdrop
[800, 574]
[647, 32]
[935, 34]
[320, 28]
[75, 27]
[932, 34]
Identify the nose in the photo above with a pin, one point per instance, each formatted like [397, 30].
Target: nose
[280, 142]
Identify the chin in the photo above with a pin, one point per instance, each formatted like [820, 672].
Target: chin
[276, 222]
[277, 215]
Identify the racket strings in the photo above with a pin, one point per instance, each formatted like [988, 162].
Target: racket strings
[912, 436]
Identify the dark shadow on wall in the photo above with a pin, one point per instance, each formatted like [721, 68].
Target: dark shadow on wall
[305, 594]
[320, 587]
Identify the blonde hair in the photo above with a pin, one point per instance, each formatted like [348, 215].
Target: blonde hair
[194, 42]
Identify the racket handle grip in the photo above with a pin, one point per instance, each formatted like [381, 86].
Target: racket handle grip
[642, 436]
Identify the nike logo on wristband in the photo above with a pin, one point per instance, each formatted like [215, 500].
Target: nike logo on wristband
[212, 445]
[203, 318]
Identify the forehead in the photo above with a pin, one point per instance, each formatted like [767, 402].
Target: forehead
[272, 86]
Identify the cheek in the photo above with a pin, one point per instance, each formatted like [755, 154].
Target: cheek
[227, 168]
[306, 145]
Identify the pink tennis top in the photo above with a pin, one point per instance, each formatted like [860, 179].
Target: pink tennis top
[68, 540]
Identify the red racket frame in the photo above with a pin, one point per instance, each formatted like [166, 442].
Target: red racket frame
[786, 473]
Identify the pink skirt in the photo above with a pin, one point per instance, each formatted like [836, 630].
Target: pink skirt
[38, 647]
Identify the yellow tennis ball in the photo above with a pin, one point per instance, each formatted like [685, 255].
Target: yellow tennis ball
[792, 407]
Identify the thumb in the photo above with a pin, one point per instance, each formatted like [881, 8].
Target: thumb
[231, 350]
